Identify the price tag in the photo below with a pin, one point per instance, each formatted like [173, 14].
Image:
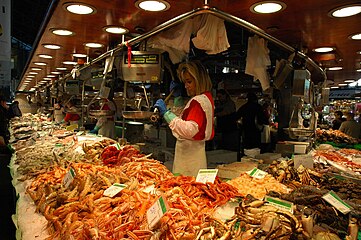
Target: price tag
[156, 212]
[257, 173]
[117, 145]
[280, 204]
[305, 160]
[68, 178]
[114, 189]
[206, 175]
[332, 198]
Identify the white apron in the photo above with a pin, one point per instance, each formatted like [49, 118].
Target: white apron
[190, 155]
[108, 129]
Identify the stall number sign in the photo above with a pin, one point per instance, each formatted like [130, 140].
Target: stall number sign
[206, 175]
[280, 204]
[257, 173]
[68, 178]
[332, 198]
[156, 212]
[114, 189]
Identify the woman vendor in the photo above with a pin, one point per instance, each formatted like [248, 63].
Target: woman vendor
[195, 124]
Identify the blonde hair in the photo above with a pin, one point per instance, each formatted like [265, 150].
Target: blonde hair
[198, 72]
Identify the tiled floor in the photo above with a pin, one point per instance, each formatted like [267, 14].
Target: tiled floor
[7, 201]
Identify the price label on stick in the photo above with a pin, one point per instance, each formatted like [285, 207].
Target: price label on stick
[206, 175]
[332, 198]
[257, 173]
[114, 189]
[117, 145]
[69, 177]
[156, 212]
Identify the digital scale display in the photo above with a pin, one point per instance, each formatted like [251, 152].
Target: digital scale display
[143, 59]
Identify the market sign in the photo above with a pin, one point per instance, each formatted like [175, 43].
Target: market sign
[343, 93]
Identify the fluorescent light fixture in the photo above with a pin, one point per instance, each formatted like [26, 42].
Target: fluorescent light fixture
[33, 73]
[69, 63]
[30, 76]
[45, 56]
[335, 68]
[36, 69]
[346, 11]
[56, 72]
[359, 52]
[342, 84]
[61, 32]
[153, 6]
[50, 76]
[40, 63]
[356, 36]
[349, 81]
[47, 79]
[358, 70]
[61, 68]
[28, 79]
[93, 45]
[323, 49]
[334, 87]
[267, 7]
[79, 55]
[115, 30]
[52, 46]
[79, 8]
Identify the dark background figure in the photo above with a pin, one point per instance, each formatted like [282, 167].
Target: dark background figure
[4, 120]
[225, 112]
[336, 123]
[252, 120]
[350, 126]
[14, 110]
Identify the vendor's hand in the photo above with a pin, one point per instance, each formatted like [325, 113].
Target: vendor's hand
[177, 87]
[160, 105]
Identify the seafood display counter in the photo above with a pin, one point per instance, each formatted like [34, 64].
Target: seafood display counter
[84, 187]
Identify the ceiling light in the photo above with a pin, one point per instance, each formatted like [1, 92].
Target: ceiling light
[61, 68]
[345, 11]
[47, 79]
[356, 36]
[55, 72]
[349, 81]
[93, 45]
[36, 69]
[323, 49]
[342, 84]
[79, 55]
[69, 63]
[30, 76]
[45, 56]
[358, 70]
[268, 7]
[40, 63]
[52, 46]
[61, 32]
[359, 52]
[151, 5]
[115, 30]
[79, 8]
[51, 76]
[33, 73]
[28, 79]
[334, 87]
[334, 68]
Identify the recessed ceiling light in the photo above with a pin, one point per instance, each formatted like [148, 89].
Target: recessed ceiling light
[342, 84]
[79, 55]
[40, 63]
[36, 69]
[69, 63]
[61, 68]
[33, 73]
[115, 30]
[349, 81]
[30, 76]
[267, 7]
[79, 8]
[47, 79]
[151, 5]
[345, 11]
[28, 79]
[93, 45]
[61, 32]
[323, 49]
[358, 70]
[334, 87]
[356, 36]
[52, 46]
[50, 76]
[45, 56]
[334, 68]
[55, 72]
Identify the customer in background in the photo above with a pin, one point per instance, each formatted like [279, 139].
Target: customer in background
[225, 112]
[195, 124]
[350, 126]
[14, 110]
[58, 113]
[252, 119]
[4, 122]
[336, 123]
[71, 115]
